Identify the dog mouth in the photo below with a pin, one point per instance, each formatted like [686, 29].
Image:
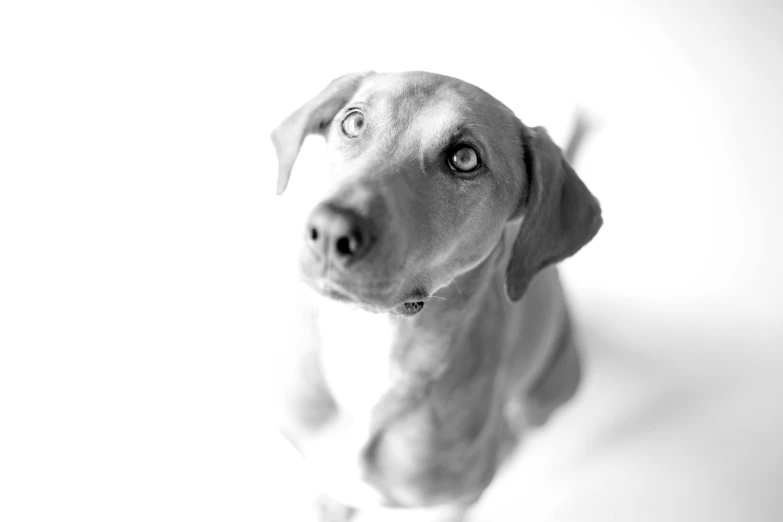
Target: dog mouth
[410, 306]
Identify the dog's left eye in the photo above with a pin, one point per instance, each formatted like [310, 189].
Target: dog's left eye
[353, 124]
[464, 159]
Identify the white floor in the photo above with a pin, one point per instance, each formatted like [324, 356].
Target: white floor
[142, 248]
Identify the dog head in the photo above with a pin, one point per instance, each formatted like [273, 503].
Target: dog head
[425, 172]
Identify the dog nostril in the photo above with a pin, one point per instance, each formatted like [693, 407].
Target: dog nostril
[349, 245]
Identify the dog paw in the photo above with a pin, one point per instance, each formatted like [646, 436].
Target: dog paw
[329, 510]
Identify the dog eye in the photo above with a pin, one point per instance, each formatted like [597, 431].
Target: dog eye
[464, 159]
[353, 124]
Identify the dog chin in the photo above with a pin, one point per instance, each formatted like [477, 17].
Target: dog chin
[337, 293]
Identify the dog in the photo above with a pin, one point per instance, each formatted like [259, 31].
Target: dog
[433, 329]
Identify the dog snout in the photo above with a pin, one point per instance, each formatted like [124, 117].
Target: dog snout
[338, 234]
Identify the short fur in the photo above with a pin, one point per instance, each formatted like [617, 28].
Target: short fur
[403, 409]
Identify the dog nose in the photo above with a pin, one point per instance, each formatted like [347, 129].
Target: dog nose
[338, 233]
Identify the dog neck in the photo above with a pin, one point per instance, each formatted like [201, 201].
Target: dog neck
[385, 364]
[377, 368]
[440, 344]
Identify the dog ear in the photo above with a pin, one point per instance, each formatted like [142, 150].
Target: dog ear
[561, 215]
[312, 117]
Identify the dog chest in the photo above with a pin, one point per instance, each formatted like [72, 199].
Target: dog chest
[355, 356]
[355, 353]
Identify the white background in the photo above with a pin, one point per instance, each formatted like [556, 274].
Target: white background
[144, 259]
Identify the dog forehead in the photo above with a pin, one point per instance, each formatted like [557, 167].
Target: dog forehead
[406, 94]
[431, 105]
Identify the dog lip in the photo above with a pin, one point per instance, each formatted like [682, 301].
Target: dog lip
[408, 308]
[411, 305]
[332, 290]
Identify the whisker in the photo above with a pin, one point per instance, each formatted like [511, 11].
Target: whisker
[458, 291]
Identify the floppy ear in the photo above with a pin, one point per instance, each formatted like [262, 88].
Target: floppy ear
[561, 215]
[312, 117]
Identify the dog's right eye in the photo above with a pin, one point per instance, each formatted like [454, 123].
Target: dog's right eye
[353, 124]
[464, 160]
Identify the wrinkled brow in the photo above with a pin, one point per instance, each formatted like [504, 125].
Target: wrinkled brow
[403, 101]
[460, 130]
[370, 99]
